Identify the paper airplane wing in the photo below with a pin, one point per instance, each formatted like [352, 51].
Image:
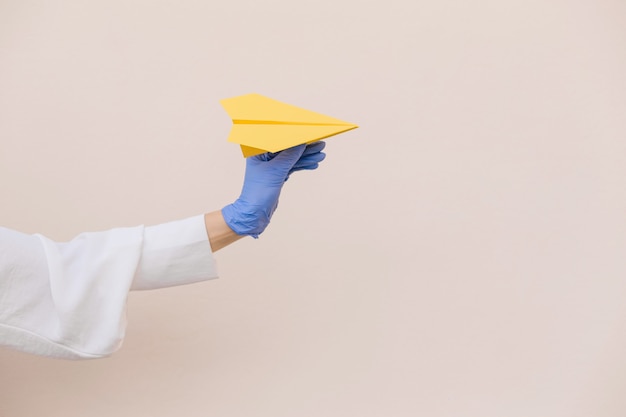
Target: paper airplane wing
[261, 124]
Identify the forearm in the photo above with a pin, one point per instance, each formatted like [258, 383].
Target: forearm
[220, 235]
[68, 299]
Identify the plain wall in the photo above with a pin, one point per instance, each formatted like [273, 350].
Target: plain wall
[462, 253]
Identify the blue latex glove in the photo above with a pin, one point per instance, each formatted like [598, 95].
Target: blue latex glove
[264, 179]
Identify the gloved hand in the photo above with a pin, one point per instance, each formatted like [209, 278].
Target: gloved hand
[263, 181]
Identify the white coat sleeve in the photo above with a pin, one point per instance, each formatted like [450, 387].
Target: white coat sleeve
[68, 300]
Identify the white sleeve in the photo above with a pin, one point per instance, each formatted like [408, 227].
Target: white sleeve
[68, 300]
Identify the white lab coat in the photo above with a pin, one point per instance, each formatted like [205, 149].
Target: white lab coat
[68, 300]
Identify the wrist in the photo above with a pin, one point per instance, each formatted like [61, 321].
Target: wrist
[218, 231]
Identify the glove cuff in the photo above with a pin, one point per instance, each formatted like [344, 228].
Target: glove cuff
[245, 219]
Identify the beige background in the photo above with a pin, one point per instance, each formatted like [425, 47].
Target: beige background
[461, 254]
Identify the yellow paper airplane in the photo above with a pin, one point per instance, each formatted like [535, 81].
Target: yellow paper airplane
[261, 124]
